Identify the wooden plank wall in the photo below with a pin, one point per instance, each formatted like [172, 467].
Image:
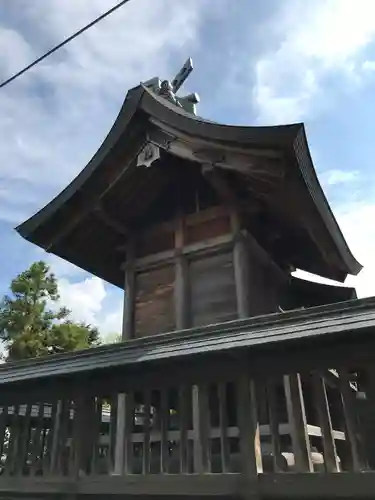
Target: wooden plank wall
[154, 302]
[213, 289]
[184, 276]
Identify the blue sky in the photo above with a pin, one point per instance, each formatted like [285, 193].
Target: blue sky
[269, 62]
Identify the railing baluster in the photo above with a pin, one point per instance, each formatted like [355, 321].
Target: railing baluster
[350, 416]
[223, 422]
[97, 422]
[202, 462]
[49, 455]
[3, 428]
[297, 422]
[13, 440]
[164, 427]
[184, 423]
[274, 421]
[146, 432]
[56, 430]
[320, 395]
[24, 440]
[36, 448]
[84, 426]
[128, 433]
[112, 433]
[248, 425]
[367, 420]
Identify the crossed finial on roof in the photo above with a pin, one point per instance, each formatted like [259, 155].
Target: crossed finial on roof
[168, 90]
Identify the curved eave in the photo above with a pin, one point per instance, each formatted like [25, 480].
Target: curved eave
[284, 137]
[305, 163]
[127, 112]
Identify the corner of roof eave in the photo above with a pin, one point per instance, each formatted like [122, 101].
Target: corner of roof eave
[353, 267]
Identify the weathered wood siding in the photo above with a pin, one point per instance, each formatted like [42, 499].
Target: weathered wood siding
[154, 304]
[212, 289]
[154, 241]
[266, 286]
[207, 228]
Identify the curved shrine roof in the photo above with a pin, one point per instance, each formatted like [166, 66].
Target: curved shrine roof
[70, 225]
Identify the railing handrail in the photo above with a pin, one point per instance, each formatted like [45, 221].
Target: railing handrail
[278, 327]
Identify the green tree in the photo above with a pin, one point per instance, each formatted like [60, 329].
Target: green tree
[31, 326]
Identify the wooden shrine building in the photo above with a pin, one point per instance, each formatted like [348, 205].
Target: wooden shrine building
[235, 379]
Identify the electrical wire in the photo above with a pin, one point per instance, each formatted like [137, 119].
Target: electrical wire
[67, 40]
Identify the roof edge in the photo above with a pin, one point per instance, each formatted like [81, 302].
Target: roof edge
[127, 111]
[311, 180]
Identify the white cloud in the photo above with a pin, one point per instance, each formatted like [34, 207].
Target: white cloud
[311, 40]
[54, 117]
[86, 300]
[336, 176]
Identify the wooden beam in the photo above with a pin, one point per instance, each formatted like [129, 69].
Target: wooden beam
[217, 181]
[110, 221]
[215, 177]
[128, 324]
[181, 278]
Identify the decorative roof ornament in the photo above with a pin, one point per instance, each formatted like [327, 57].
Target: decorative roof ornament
[168, 90]
[149, 154]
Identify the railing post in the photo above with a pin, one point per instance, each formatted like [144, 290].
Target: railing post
[202, 462]
[297, 422]
[351, 422]
[249, 434]
[128, 327]
[320, 394]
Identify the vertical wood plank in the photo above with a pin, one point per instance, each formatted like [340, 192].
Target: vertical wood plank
[62, 464]
[223, 422]
[83, 433]
[350, 416]
[24, 440]
[184, 423]
[3, 427]
[98, 415]
[13, 440]
[241, 268]
[128, 324]
[120, 435]
[251, 454]
[51, 438]
[329, 447]
[297, 422]
[112, 433]
[181, 277]
[367, 418]
[36, 454]
[128, 433]
[181, 292]
[164, 427]
[146, 433]
[55, 431]
[202, 462]
[278, 461]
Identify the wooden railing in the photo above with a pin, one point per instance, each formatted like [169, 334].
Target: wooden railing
[281, 423]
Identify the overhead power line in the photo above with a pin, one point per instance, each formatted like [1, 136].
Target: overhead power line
[67, 40]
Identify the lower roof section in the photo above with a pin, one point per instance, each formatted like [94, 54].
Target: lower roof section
[325, 323]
